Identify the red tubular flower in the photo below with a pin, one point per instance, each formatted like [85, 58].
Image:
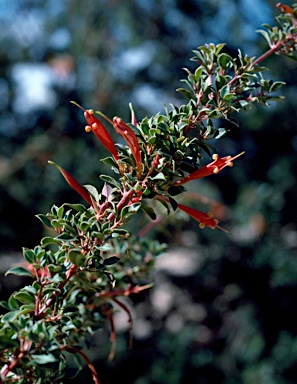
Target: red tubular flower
[214, 167]
[285, 8]
[131, 139]
[99, 130]
[74, 184]
[204, 219]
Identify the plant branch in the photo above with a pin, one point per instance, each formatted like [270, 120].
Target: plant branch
[274, 48]
[56, 293]
[87, 360]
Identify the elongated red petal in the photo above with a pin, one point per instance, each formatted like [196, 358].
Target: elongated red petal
[203, 218]
[74, 184]
[101, 133]
[214, 167]
[99, 130]
[131, 139]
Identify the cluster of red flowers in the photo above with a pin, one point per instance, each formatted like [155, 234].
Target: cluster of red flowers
[130, 137]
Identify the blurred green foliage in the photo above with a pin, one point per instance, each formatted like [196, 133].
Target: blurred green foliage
[232, 319]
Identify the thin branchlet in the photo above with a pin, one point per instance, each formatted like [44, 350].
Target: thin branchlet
[91, 259]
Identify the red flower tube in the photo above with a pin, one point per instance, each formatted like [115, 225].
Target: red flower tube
[214, 167]
[204, 219]
[286, 9]
[131, 139]
[74, 184]
[99, 130]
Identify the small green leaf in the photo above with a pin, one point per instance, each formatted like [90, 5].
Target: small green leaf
[56, 223]
[149, 211]
[98, 235]
[110, 180]
[7, 342]
[54, 268]
[109, 161]
[60, 212]
[10, 316]
[173, 203]
[198, 73]
[31, 289]
[29, 255]
[36, 286]
[225, 60]
[120, 232]
[77, 207]
[76, 257]
[24, 297]
[276, 85]
[176, 190]
[219, 47]
[4, 304]
[92, 191]
[27, 308]
[54, 210]
[215, 114]
[265, 34]
[228, 96]
[44, 219]
[105, 247]
[149, 193]
[111, 278]
[39, 252]
[165, 204]
[18, 271]
[49, 240]
[269, 27]
[84, 226]
[220, 133]
[220, 82]
[65, 237]
[111, 260]
[49, 291]
[225, 93]
[159, 176]
[130, 210]
[185, 92]
[13, 303]
[44, 359]
[243, 103]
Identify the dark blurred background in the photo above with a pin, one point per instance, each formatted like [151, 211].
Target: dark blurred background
[223, 309]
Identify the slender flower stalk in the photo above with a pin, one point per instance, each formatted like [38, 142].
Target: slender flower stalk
[133, 116]
[74, 184]
[94, 250]
[212, 168]
[99, 130]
